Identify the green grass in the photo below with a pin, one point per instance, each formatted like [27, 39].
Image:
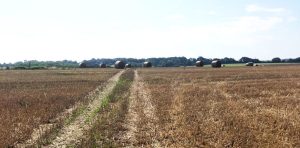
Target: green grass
[243, 64]
[110, 115]
[113, 95]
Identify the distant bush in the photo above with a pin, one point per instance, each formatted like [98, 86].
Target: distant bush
[37, 68]
[19, 68]
[276, 60]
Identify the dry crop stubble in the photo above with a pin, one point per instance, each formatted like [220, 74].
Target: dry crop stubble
[228, 107]
[30, 98]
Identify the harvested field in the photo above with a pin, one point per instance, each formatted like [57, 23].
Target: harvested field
[31, 98]
[228, 107]
[162, 107]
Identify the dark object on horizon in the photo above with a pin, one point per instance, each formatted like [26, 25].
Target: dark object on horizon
[19, 68]
[37, 68]
[216, 64]
[102, 65]
[128, 65]
[249, 64]
[147, 64]
[276, 60]
[199, 64]
[82, 65]
[119, 65]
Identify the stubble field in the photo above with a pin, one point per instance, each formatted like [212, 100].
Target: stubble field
[31, 98]
[228, 107]
[159, 107]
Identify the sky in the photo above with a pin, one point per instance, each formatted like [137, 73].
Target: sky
[85, 29]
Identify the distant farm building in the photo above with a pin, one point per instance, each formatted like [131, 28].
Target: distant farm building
[249, 64]
[82, 65]
[128, 65]
[216, 64]
[199, 64]
[147, 64]
[102, 65]
[119, 65]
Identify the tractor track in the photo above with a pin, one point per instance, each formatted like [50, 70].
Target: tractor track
[141, 120]
[71, 134]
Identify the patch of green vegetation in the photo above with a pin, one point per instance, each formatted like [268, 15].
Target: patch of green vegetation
[234, 65]
[259, 64]
[110, 114]
[121, 86]
[78, 111]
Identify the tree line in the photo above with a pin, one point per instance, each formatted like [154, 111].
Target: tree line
[157, 62]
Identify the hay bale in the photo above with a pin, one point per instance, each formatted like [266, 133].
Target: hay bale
[147, 64]
[128, 66]
[119, 65]
[199, 64]
[216, 64]
[249, 64]
[102, 65]
[82, 65]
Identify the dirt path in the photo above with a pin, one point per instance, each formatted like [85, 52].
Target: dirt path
[141, 121]
[128, 138]
[71, 134]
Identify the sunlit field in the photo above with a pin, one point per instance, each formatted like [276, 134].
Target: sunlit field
[240, 107]
[30, 98]
[157, 107]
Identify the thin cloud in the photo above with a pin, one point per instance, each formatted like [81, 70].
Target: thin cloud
[291, 19]
[212, 12]
[255, 23]
[175, 17]
[238, 33]
[256, 8]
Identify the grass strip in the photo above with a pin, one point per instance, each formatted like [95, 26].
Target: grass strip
[111, 115]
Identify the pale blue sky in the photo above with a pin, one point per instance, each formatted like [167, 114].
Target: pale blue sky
[84, 29]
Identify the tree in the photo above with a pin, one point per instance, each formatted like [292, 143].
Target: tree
[205, 60]
[276, 60]
[227, 60]
[246, 60]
